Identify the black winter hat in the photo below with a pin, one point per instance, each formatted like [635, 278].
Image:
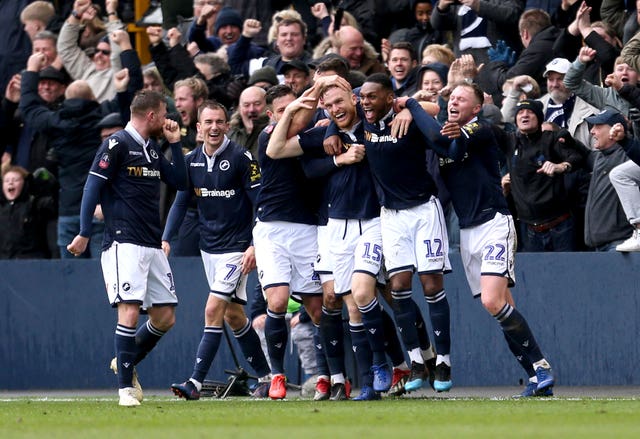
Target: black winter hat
[533, 105]
[227, 16]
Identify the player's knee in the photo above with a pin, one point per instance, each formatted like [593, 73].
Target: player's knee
[235, 319]
[331, 301]
[493, 305]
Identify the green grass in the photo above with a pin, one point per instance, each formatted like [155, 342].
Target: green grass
[163, 417]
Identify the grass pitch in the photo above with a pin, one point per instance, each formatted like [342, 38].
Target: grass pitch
[166, 417]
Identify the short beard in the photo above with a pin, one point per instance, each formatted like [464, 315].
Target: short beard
[560, 97]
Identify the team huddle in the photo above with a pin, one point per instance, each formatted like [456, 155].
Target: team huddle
[340, 212]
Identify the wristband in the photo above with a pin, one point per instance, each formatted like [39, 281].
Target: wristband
[76, 14]
[111, 13]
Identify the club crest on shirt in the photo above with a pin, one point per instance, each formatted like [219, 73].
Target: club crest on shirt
[224, 165]
[153, 154]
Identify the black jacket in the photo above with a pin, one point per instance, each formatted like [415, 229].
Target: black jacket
[539, 198]
[23, 224]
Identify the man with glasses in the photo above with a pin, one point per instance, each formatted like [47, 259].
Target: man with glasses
[96, 68]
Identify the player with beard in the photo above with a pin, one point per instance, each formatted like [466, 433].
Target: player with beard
[354, 224]
[487, 234]
[125, 177]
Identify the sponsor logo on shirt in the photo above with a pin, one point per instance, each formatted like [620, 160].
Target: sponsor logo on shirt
[374, 138]
[203, 192]
[197, 164]
[143, 171]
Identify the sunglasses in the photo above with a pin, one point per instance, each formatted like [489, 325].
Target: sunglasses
[102, 51]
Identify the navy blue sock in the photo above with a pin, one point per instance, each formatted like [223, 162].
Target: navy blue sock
[372, 321]
[440, 322]
[275, 331]
[405, 314]
[362, 353]
[521, 357]
[249, 342]
[125, 345]
[421, 327]
[516, 327]
[392, 343]
[321, 358]
[147, 336]
[332, 336]
[207, 349]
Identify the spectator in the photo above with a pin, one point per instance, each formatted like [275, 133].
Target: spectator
[478, 24]
[437, 53]
[45, 42]
[36, 17]
[537, 36]
[216, 74]
[264, 78]
[23, 217]
[536, 160]
[250, 119]
[603, 97]
[431, 79]
[605, 224]
[402, 67]
[622, 16]
[99, 69]
[291, 37]
[16, 45]
[27, 147]
[74, 134]
[559, 105]
[296, 75]
[598, 35]
[227, 29]
[349, 43]
[421, 35]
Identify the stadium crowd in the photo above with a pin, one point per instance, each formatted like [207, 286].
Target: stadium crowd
[534, 105]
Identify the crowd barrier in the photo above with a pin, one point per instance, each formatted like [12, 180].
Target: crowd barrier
[56, 326]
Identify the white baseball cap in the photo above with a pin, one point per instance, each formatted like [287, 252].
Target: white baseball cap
[560, 65]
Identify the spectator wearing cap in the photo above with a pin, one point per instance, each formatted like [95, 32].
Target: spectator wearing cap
[99, 68]
[536, 162]
[605, 223]
[560, 106]
[110, 124]
[226, 31]
[25, 146]
[264, 78]
[296, 75]
[248, 121]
